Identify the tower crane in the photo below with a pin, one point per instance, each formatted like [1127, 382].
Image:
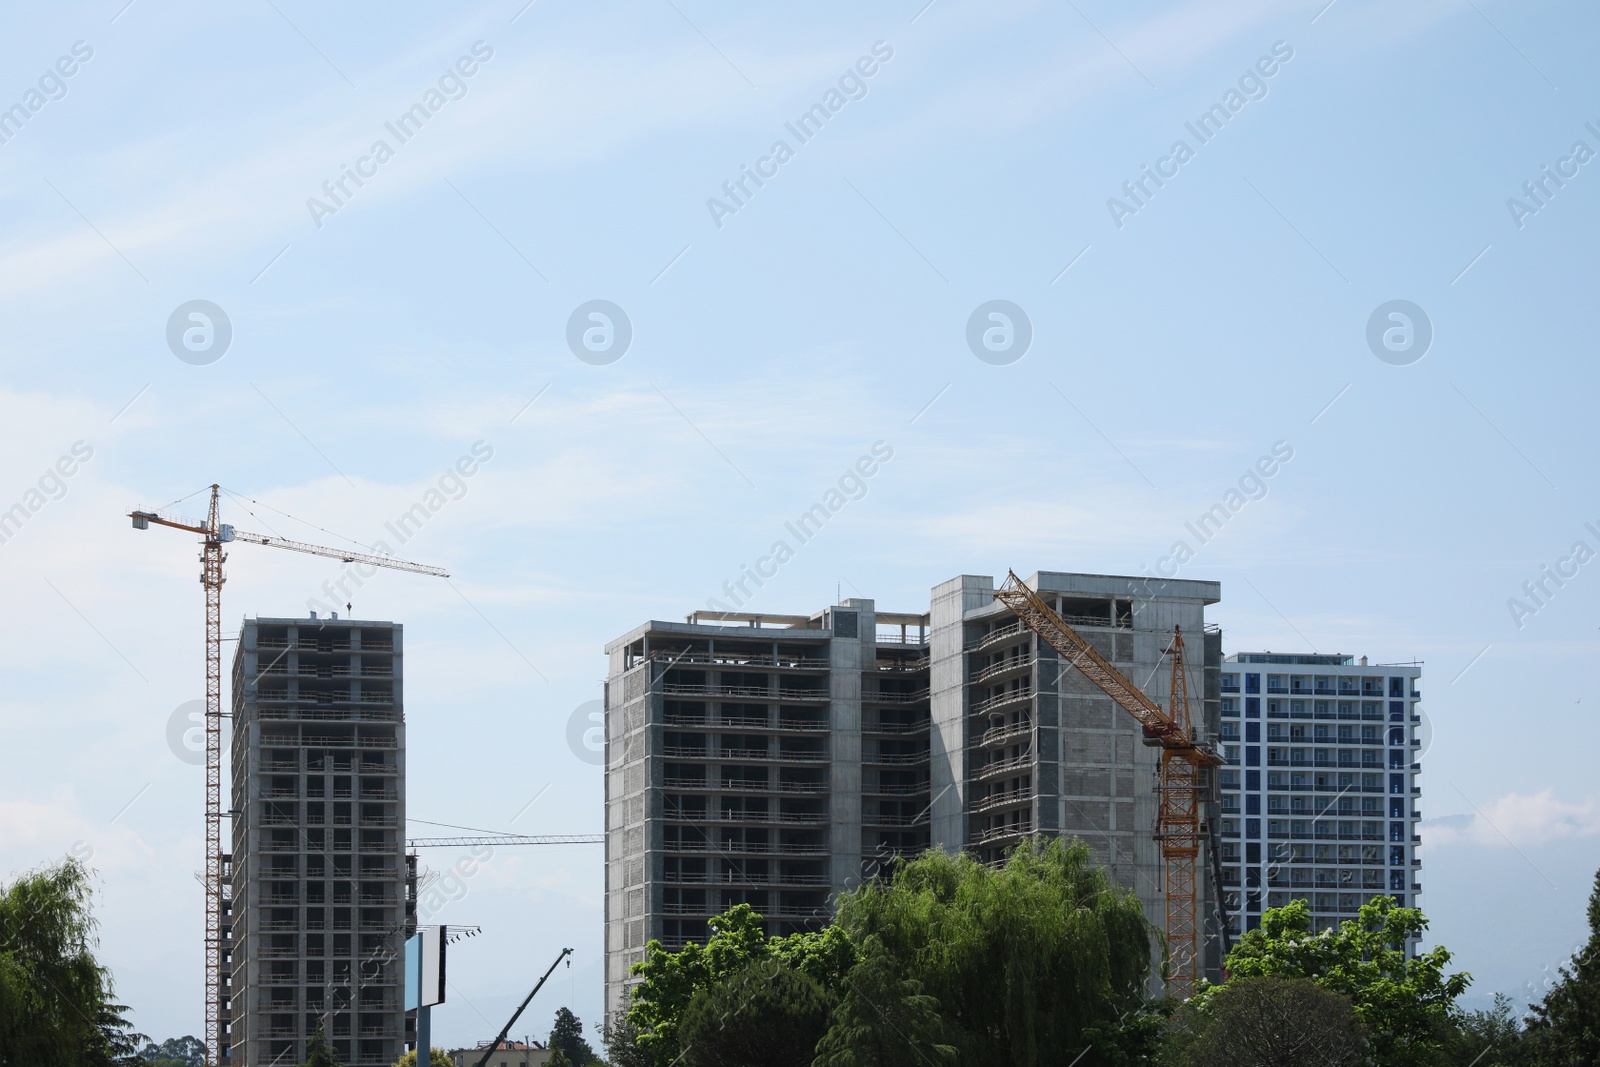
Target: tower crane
[213, 535]
[1179, 819]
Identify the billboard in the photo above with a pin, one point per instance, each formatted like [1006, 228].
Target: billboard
[425, 968]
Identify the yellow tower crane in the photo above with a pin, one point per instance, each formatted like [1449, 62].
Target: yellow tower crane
[213, 535]
[1180, 825]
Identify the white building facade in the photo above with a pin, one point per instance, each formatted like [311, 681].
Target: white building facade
[1321, 795]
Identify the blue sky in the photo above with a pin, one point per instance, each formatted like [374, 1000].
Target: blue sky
[829, 312]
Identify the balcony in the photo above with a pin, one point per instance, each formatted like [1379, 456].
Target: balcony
[740, 878]
[895, 758]
[791, 818]
[702, 908]
[704, 689]
[724, 659]
[745, 848]
[894, 727]
[995, 670]
[1000, 735]
[881, 819]
[1000, 800]
[891, 697]
[780, 756]
[697, 784]
[738, 722]
[803, 726]
[989, 770]
[999, 833]
[995, 636]
[911, 667]
[1015, 696]
[896, 789]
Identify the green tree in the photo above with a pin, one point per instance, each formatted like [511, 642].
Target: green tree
[769, 1013]
[319, 1053]
[622, 1045]
[185, 1051]
[1564, 1028]
[1274, 1022]
[117, 1042]
[1489, 1037]
[567, 1038]
[1405, 1005]
[1043, 957]
[672, 979]
[56, 1001]
[437, 1057]
[884, 1019]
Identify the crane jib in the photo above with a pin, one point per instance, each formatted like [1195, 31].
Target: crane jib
[1182, 785]
[214, 534]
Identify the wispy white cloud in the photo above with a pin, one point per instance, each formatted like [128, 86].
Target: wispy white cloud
[544, 108]
[1517, 820]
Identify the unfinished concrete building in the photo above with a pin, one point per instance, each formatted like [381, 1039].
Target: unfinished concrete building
[322, 895]
[780, 760]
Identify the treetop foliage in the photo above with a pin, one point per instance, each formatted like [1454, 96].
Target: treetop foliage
[319, 1053]
[187, 1051]
[1405, 1005]
[1564, 1029]
[1272, 1022]
[998, 967]
[566, 1038]
[57, 1008]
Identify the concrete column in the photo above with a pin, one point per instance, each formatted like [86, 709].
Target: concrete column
[854, 624]
[947, 705]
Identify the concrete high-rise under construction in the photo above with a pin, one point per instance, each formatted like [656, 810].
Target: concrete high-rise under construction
[321, 897]
[780, 760]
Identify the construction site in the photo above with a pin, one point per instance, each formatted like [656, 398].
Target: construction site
[309, 906]
[781, 761]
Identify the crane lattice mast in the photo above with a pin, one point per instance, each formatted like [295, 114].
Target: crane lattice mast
[1179, 821]
[213, 535]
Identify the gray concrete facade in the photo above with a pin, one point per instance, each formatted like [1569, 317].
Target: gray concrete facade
[955, 729]
[322, 894]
